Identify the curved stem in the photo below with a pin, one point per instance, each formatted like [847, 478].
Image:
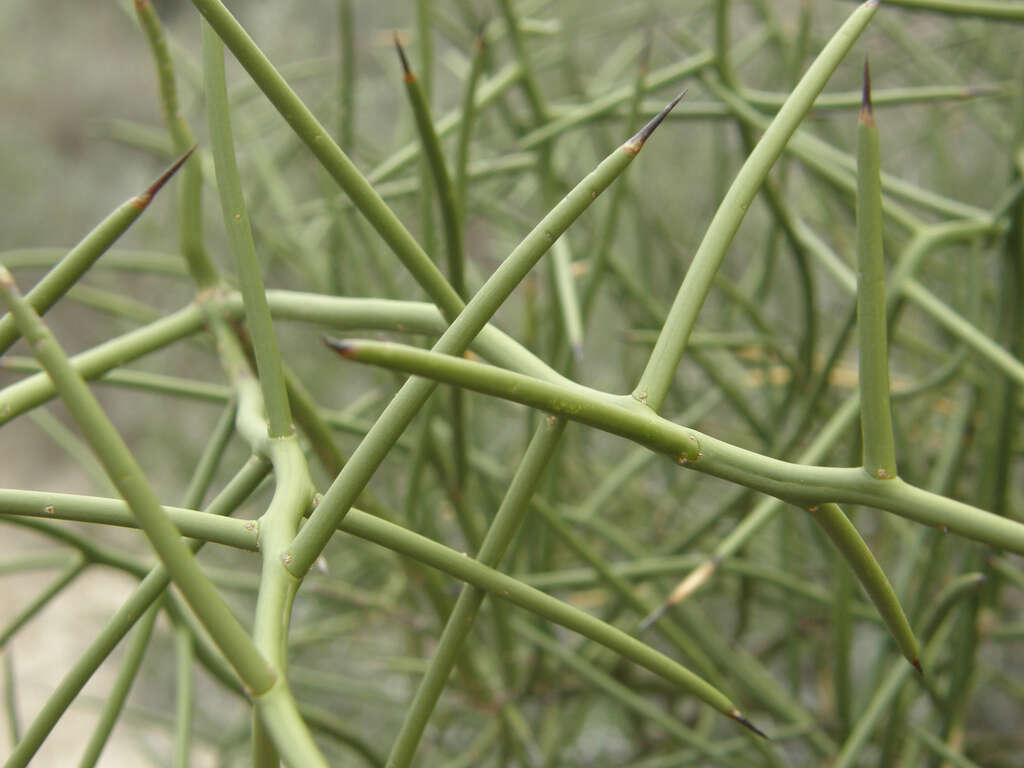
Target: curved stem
[660, 371]
[794, 483]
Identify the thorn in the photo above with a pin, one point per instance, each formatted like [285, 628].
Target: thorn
[739, 718]
[141, 201]
[6, 278]
[636, 143]
[866, 112]
[343, 347]
[481, 36]
[406, 71]
[651, 620]
[917, 665]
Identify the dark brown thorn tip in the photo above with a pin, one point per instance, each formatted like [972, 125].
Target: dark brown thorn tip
[917, 666]
[141, 201]
[343, 347]
[406, 69]
[637, 142]
[739, 718]
[651, 620]
[865, 100]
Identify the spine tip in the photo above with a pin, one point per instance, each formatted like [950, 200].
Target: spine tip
[481, 37]
[144, 199]
[636, 143]
[343, 347]
[406, 69]
[916, 663]
[866, 111]
[6, 278]
[739, 718]
[651, 620]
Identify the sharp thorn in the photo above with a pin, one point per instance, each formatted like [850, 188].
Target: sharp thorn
[651, 620]
[866, 112]
[406, 70]
[637, 142]
[739, 718]
[142, 200]
[343, 347]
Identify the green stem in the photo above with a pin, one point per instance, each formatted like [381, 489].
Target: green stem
[133, 486]
[236, 222]
[241, 534]
[400, 411]
[148, 591]
[184, 695]
[873, 347]
[856, 553]
[621, 693]
[997, 10]
[330, 155]
[879, 703]
[118, 693]
[438, 173]
[190, 220]
[466, 126]
[79, 259]
[507, 520]
[24, 395]
[659, 373]
[798, 484]
[508, 588]
[40, 601]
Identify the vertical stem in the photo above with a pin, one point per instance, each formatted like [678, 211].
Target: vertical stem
[499, 535]
[116, 696]
[184, 656]
[657, 377]
[873, 349]
[346, 75]
[190, 219]
[11, 697]
[466, 126]
[236, 222]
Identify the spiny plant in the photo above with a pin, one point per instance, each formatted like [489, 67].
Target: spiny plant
[622, 607]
